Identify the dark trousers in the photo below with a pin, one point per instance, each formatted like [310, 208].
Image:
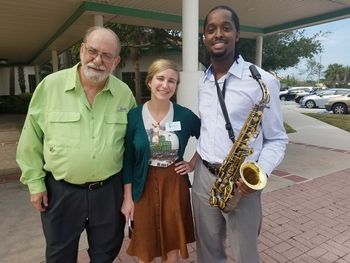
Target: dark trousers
[72, 209]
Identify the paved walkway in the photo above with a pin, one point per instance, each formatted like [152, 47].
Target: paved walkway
[306, 204]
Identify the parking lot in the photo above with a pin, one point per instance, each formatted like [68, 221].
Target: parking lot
[295, 106]
[335, 100]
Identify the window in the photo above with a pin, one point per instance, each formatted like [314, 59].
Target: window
[129, 78]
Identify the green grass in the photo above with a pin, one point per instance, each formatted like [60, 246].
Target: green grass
[340, 121]
[288, 128]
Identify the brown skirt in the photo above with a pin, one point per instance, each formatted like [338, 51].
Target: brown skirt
[163, 216]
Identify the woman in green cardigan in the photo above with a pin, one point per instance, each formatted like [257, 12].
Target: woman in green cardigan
[156, 193]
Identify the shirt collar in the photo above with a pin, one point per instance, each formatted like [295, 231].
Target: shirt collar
[72, 78]
[236, 69]
[74, 82]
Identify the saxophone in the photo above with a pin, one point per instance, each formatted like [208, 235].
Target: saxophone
[224, 193]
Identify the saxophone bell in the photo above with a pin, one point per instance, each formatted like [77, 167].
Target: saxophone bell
[253, 175]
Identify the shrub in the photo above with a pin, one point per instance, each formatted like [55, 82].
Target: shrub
[17, 104]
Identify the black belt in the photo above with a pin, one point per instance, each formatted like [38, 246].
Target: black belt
[89, 185]
[212, 167]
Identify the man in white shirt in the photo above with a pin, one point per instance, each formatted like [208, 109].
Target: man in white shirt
[241, 92]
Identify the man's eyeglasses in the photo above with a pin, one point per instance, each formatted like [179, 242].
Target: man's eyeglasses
[93, 53]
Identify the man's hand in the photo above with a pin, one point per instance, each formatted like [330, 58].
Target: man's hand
[39, 201]
[244, 190]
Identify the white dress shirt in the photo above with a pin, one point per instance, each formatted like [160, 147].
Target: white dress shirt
[242, 93]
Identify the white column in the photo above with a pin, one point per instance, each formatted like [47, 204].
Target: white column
[258, 50]
[187, 90]
[98, 20]
[187, 93]
[54, 59]
[190, 35]
[64, 59]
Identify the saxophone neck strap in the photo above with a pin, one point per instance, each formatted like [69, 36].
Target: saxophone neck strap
[221, 96]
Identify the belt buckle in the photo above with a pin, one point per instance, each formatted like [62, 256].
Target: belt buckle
[214, 170]
[94, 186]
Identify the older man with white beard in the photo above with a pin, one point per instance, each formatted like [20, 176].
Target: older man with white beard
[71, 152]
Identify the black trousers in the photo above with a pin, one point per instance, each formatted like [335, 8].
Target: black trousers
[72, 209]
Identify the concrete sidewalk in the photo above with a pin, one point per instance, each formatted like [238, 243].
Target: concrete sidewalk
[10, 128]
[312, 131]
[306, 204]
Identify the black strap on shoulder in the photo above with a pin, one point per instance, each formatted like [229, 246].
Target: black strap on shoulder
[221, 96]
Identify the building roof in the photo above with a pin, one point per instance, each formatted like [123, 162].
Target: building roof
[31, 29]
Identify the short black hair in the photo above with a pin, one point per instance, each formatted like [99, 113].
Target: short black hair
[234, 16]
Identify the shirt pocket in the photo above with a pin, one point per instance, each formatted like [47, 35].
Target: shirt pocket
[64, 128]
[115, 128]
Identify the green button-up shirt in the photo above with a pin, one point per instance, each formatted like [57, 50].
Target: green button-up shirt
[63, 134]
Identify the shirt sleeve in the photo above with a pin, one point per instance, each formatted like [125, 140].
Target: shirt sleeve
[128, 160]
[196, 125]
[29, 155]
[132, 103]
[275, 138]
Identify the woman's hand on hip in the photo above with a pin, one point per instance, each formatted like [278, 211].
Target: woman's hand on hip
[183, 167]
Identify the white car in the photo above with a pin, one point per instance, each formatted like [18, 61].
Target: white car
[319, 100]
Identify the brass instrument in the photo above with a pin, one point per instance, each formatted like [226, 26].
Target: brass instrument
[224, 192]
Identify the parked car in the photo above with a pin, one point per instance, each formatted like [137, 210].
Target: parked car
[306, 93]
[291, 93]
[318, 101]
[339, 105]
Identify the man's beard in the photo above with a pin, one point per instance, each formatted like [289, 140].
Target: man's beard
[94, 75]
[217, 56]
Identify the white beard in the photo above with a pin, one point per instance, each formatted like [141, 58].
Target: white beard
[93, 75]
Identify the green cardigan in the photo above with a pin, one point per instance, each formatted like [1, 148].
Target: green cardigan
[137, 148]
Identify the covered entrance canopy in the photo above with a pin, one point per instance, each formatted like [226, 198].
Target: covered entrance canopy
[30, 30]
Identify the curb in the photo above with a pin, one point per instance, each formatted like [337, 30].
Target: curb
[8, 175]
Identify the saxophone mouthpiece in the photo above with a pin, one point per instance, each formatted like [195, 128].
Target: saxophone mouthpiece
[255, 73]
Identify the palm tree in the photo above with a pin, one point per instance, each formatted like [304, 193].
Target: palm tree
[346, 75]
[334, 73]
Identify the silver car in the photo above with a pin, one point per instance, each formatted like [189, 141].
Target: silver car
[319, 100]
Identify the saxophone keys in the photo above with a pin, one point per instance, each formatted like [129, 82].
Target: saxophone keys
[222, 204]
[213, 201]
[228, 190]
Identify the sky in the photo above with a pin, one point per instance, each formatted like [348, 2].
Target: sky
[336, 47]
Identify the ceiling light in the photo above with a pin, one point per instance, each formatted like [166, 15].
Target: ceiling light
[3, 61]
